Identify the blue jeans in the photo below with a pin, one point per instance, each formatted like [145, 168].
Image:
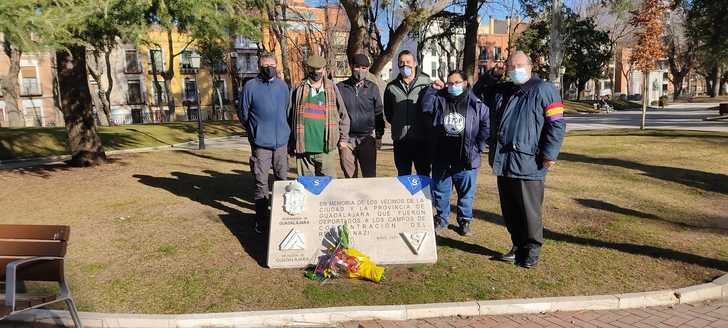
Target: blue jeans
[442, 182]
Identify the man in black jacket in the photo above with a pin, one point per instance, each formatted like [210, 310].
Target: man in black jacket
[364, 105]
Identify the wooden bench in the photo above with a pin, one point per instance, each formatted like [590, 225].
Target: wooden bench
[33, 253]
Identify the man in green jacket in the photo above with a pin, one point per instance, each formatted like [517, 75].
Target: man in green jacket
[403, 111]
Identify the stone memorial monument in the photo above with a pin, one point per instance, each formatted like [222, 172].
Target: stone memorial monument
[389, 219]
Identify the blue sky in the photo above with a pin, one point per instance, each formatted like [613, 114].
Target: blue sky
[496, 10]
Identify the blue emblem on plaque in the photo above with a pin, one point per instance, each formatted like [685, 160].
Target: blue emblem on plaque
[414, 183]
[315, 185]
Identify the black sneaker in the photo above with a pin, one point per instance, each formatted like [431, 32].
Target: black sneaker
[531, 258]
[465, 229]
[507, 257]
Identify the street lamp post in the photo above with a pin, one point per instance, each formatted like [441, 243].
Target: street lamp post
[195, 63]
[562, 71]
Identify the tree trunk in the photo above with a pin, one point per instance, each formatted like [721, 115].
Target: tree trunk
[168, 76]
[645, 99]
[157, 90]
[471, 40]
[101, 89]
[716, 81]
[394, 41]
[358, 33]
[109, 86]
[12, 88]
[85, 145]
[677, 82]
[556, 51]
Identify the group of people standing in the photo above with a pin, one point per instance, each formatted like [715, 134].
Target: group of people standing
[440, 128]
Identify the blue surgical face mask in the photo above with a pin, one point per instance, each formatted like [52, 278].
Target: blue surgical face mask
[519, 75]
[455, 90]
[406, 71]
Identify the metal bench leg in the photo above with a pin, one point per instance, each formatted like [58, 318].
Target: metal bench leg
[74, 313]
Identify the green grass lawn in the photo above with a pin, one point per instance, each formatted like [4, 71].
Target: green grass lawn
[41, 142]
[171, 232]
[573, 107]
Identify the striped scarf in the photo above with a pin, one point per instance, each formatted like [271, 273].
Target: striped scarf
[332, 116]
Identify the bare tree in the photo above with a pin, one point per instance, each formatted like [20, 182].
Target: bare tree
[364, 33]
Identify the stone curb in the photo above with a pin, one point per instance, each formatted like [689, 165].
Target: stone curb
[25, 162]
[331, 316]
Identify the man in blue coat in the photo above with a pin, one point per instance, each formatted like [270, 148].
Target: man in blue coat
[264, 114]
[527, 120]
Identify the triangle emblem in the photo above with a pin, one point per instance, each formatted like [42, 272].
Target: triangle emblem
[293, 241]
[414, 240]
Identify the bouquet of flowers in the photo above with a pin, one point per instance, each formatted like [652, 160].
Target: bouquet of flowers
[339, 259]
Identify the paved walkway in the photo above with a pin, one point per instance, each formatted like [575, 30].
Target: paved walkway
[710, 314]
[678, 116]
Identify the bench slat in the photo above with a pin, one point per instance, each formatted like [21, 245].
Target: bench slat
[36, 271]
[32, 248]
[30, 231]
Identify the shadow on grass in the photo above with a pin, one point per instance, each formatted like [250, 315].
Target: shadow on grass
[609, 207]
[465, 247]
[44, 170]
[16, 143]
[213, 158]
[635, 249]
[217, 190]
[707, 181]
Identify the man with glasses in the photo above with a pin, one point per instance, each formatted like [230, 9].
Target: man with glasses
[528, 130]
[459, 134]
[264, 115]
[364, 105]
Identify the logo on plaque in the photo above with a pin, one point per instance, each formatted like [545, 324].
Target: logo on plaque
[414, 240]
[294, 198]
[293, 242]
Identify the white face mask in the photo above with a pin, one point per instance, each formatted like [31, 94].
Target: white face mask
[519, 75]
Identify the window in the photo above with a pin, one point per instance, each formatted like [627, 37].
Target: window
[30, 86]
[247, 63]
[483, 53]
[434, 70]
[3, 116]
[305, 52]
[341, 38]
[497, 53]
[220, 85]
[157, 59]
[219, 66]
[342, 66]
[33, 112]
[158, 89]
[190, 90]
[186, 59]
[132, 62]
[135, 92]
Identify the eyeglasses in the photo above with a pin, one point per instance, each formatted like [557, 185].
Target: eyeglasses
[449, 84]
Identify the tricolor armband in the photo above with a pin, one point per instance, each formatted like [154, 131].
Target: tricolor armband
[554, 111]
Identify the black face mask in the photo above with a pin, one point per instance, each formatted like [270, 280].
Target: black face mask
[315, 76]
[268, 72]
[359, 75]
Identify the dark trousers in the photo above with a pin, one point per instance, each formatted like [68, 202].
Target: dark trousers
[363, 155]
[408, 152]
[521, 202]
[261, 161]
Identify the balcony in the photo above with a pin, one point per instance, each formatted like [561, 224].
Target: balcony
[187, 69]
